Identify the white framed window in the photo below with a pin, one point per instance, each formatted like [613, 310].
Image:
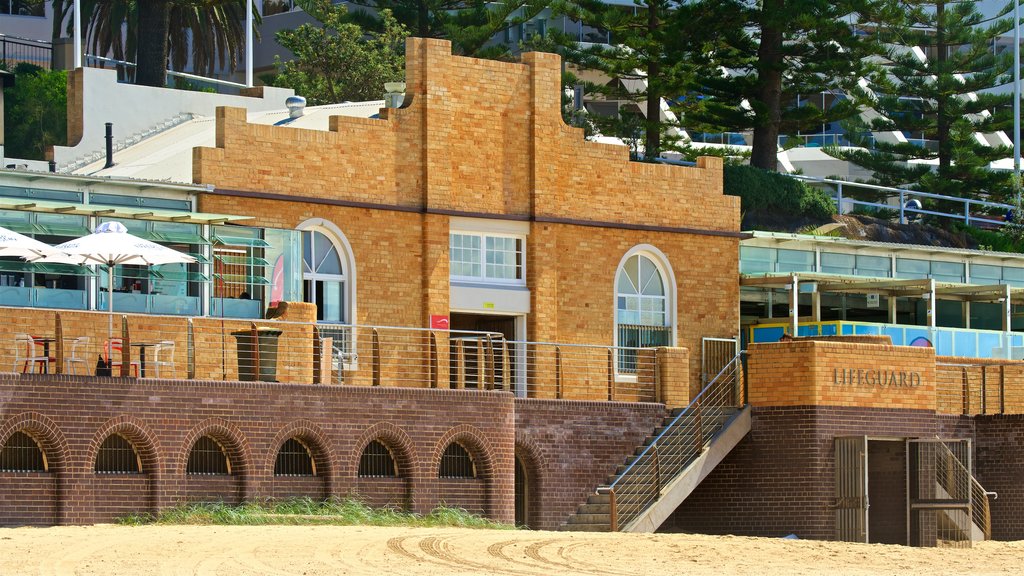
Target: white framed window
[644, 305]
[328, 271]
[491, 258]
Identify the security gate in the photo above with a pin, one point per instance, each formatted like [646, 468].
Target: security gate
[851, 502]
[939, 493]
[716, 353]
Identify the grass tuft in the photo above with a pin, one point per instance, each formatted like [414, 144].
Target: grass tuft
[306, 511]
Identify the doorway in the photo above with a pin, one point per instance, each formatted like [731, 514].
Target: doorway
[475, 359]
[522, 491]
[871, 490]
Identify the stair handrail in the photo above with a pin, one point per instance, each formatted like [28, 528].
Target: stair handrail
[981, 514]
[730, 372]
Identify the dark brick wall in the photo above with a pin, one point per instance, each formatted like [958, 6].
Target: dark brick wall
[1000, 463]
[28, 498]
[780, 479]
[284, 487]
[381, 492]
[569, 448]
[467, 493]
[70, 416]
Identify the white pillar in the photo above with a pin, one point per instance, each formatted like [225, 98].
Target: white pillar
[248, 42]
[77, 43]
[931, 303]
[794, 304]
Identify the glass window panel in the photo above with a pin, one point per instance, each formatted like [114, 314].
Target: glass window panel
[332, 302]
[878, 266]
[632, 271]
[799, 257]
[833, 263]
[948, 271]
[909, 268]
[325, 256]
[983, 274]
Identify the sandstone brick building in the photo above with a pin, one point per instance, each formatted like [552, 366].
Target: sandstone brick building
[482, 309]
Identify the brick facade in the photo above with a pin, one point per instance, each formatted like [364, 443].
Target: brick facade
[780, 479]
[569, 447]
[486, 139]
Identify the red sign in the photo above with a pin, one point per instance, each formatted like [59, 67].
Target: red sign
[438, 322]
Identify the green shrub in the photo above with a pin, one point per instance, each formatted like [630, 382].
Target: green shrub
[769, 193]
[35, 112]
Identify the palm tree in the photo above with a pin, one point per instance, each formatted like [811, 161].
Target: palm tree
[208, 33]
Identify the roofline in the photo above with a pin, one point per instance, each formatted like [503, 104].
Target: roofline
[811, 239]
[33, 175]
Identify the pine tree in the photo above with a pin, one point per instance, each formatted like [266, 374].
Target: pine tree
[640, 66]
[757, 58]
[939, 62]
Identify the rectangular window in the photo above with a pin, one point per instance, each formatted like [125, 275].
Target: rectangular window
[240, 272]
[795, 260]
[487, 258]
[874, 266]
[833, 263]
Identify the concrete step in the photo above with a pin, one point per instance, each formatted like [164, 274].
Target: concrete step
[585, 528]
[594, 509]
[578, 518]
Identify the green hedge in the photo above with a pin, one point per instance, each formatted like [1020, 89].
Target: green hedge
[769, 193]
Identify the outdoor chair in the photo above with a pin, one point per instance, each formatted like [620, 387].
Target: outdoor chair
[112, 350]
[163, 356]
[76, 356]
[29, 354]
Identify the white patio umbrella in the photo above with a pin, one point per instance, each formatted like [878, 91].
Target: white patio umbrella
[14, 244]
[110, 244]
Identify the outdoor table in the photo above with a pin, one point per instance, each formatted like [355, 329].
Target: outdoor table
[142, 355]
[45, 341]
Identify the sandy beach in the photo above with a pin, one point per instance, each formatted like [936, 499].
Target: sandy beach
[359, 550]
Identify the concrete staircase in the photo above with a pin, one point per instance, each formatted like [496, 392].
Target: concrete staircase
[654, 481]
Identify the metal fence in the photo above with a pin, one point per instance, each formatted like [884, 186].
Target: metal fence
[971, 212]
[639, 486]
[204, 348]
[15, 50]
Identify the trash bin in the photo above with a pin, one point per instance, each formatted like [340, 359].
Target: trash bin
[265, 342]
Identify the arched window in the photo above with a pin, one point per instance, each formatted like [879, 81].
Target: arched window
[325, 282]
[377, 461]
[208, 458]
[294, 459]
[456, 463]
[117, 455]
[21, 453]
[643, 308]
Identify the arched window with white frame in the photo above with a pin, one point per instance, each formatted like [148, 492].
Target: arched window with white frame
[644, 304]
[327, 272]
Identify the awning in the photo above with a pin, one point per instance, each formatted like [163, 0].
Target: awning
[892, 287]
[118, 211]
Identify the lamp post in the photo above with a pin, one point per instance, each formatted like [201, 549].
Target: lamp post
[76, 44]
[250, 6]
[1016, 103]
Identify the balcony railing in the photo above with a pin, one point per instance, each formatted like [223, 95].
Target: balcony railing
[15, 50]
[204, 348]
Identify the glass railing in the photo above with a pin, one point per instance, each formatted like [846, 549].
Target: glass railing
[151, 303]
[965, 342]
[43, 297]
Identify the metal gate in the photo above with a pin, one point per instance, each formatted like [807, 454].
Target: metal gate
[939, 495]
[715, 355]
[851, 503]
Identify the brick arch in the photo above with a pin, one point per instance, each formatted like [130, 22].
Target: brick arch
[45, 432]
[317, 441]
[233, 441]
[532, 456]
[142, 438]
[475, 442]
[396, 439]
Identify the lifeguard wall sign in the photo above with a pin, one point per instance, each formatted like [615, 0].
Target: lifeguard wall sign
[837, 373]
[880, 378]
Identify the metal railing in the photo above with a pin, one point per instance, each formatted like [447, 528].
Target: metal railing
[980, 388]
[640, 484]
[958, 483]
[123, 65]
[969, 214]
[205, 348]
[14, 50]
